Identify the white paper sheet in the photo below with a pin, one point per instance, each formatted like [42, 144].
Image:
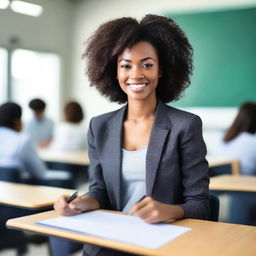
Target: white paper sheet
[118, 227]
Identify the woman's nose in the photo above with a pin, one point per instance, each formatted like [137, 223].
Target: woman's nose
[136, 73]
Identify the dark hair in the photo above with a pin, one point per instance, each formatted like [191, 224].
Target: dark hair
[37, 105]
[245, 121]
[9, 113]
[110, 40]
[73, 112]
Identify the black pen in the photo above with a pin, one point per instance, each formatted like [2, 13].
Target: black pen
[74, 196]
[141, 199]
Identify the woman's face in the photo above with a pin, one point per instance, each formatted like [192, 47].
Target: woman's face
[138, 71]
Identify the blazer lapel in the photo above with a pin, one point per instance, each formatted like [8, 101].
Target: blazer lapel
[114, 154]
[158, 137]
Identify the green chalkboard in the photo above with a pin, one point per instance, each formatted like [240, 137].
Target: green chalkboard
[224, 45]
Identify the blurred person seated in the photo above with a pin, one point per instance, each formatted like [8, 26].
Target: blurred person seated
[239, 141]
[16, 148]
[17, 151]
[70, 135]
[39, 128]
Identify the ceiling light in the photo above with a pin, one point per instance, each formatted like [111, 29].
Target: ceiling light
[4, 4]
[26, 8]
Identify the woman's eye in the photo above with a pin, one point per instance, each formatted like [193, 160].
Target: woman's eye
[125, 66]
[147, 65]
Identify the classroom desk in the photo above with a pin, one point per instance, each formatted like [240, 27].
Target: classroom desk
[81, 158]
[233, 183]
[241, 192]
[30, 196]
[72, 157]
[205, 239]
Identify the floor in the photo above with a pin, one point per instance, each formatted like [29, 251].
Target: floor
[38, 250]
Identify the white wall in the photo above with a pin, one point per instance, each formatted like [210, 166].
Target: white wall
[51, 32]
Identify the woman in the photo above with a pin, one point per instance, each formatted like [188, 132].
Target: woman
[70, 135]
[240, 141]
[146, 149]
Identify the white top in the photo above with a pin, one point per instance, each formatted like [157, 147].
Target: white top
[243, 148]
[69, 136]
[17, 150]
[133, 177]
[39, 130]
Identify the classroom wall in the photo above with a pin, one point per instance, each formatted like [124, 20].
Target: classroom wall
[51, 32]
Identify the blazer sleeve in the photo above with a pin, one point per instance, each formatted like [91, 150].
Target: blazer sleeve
[97, 187]
[194, 169]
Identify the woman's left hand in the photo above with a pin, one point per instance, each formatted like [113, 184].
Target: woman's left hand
[152, 211]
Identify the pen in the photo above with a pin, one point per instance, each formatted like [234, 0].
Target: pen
[141, 199]
[74, 196]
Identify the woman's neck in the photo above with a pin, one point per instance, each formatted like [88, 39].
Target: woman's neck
[141, 110]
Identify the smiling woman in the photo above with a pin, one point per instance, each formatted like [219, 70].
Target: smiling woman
[138, 71]
[146, 149]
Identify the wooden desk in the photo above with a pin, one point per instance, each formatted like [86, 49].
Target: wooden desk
[29, 196]
[205, 239]
[72, 157]
[233, 183]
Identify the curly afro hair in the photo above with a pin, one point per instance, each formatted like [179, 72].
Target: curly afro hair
[111, 38]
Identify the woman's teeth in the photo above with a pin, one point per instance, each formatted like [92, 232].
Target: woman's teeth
[136, 86]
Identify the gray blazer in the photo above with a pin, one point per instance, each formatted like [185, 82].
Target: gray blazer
[176, 168]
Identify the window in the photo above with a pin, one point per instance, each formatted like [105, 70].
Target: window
[36, 75]
[3, 75]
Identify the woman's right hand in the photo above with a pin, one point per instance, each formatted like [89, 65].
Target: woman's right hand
[77, 206]
[67, 209]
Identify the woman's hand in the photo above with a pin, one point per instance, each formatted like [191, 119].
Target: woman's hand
[152, 211]
[77, 206]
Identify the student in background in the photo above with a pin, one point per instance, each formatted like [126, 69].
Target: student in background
[239, 141]
[17, 151]
[39, 128]
[16, 148]
[70, 135]
[145, 149]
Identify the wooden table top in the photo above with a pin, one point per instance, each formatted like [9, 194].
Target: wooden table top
[233, 183]
[30, 196]
[70, 157]
[82, 158]
[205, 239]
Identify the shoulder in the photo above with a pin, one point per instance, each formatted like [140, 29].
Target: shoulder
[107, 118]
[246, 137]
[24, 138]
[174, 117]
[181, 114]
